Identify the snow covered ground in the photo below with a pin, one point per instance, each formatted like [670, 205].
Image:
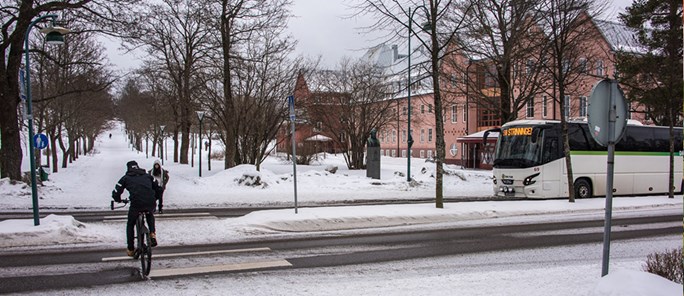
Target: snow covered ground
[87, 183]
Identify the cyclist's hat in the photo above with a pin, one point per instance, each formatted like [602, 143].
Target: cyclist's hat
[132, 165]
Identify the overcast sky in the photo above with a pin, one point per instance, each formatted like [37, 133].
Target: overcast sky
[325, 28]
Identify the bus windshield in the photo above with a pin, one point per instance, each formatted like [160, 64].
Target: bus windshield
[515, 149]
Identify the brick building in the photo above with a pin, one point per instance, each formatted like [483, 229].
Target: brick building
[465, 117]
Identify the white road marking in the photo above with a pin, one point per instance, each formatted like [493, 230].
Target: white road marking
[159, 273]
[122, 258]
[157, 216]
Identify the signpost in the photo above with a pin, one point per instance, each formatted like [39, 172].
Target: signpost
[290, 103]
[607, 119]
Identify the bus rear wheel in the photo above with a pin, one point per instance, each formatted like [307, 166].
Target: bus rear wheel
[583, 189]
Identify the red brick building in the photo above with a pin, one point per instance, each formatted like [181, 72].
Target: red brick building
[465, 117]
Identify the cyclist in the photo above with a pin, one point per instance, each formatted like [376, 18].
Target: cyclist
[141, 189]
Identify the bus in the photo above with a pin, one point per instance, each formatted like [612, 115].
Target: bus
[529, 161]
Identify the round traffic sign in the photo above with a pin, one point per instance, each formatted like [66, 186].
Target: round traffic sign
[40, 141]
[607, 103]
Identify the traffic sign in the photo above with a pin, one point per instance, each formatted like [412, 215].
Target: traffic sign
[607, 103]
[40, 141]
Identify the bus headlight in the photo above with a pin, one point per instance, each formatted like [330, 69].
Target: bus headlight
[530, 179]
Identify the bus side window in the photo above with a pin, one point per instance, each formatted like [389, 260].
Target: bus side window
[551, 151]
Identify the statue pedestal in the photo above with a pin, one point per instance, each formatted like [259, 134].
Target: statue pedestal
[373, 162]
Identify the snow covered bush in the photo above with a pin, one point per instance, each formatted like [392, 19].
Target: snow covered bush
[667, 264]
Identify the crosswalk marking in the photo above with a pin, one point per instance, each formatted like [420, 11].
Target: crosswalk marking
[154, 256]
[159, 273]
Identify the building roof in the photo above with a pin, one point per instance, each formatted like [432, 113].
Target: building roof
[620, 37]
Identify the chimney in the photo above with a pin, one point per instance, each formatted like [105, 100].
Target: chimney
[395, 53]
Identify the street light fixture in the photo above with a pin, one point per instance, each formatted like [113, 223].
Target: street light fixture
[54, 35]
[161, 127]
[200, 115]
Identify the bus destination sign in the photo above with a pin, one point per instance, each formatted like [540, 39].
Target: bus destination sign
[517, 131]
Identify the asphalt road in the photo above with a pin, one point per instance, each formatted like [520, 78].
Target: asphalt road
[64, 269]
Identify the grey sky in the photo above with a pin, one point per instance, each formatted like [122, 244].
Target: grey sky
[323, 27]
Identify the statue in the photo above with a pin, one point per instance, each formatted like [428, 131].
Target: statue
[373, 156]
[373, 139]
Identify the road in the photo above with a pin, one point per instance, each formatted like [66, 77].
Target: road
[65, 269]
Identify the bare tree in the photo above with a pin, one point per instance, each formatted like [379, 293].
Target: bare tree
[441, 21]
[177, 35]
[71, 93]
[347, 103]
[246, 27]
[504, 38]
[571, 34]
[16, 18]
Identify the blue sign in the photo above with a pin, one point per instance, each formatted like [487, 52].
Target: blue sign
[40, 141]
[290, 103]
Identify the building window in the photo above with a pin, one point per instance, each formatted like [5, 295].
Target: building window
[529, 67]
[403, 136]
[453, 80]
[422, 153]
[599, 68]
[583, 106]
[566, 107]
[394, 153]
[544, 107]
[429, 155]
[465, 112]
[429, 135]
[530, 107]
[582, 65]
[404, 110]
[394, 136]
[454, 115]
[403, 153]
[429, 108]
[422, 135]
[422, 108]
[566, 66]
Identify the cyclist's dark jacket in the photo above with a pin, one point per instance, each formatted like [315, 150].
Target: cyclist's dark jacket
[141, 188]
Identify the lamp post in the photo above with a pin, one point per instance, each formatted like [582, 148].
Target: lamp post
[408, 97]
[161, 127]
[53, 35]
[200, 115]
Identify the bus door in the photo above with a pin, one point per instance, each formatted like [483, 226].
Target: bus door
[552, 163]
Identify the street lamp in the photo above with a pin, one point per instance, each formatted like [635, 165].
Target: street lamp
[161, 127]
[408, 97]
[200, 115]
[55, 36]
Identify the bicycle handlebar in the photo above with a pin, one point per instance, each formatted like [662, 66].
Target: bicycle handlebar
[111, 205]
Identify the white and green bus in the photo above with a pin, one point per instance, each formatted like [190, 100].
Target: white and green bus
[529, 161]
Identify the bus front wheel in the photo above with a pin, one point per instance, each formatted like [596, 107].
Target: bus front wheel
[583, 189]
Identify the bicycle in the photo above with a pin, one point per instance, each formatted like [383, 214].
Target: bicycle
[143, 250]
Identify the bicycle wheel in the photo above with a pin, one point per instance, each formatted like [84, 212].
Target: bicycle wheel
[145, 253]
[144, 248]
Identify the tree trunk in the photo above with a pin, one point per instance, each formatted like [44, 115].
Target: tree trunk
[10, 154]
[566, 145]
[65, 153]
[175, 145]
[53, 151]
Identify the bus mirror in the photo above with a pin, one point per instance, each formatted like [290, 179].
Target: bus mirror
[486, 134]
